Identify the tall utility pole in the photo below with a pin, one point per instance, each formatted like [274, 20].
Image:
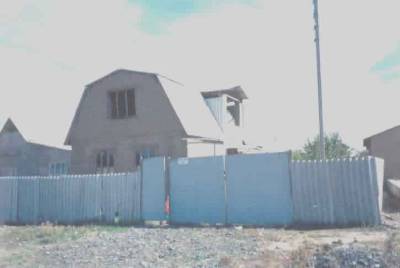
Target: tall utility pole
[321, 119]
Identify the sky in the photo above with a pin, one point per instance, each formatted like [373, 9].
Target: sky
[49, 51]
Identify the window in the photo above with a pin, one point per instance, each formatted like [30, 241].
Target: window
[104, 162]
[104, 159]
[233, 108]
[114, 105]
[122, 103]
[130, 95]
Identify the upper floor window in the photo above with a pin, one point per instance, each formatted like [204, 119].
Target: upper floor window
[122, 103]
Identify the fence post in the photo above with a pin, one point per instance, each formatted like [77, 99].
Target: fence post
[141, 169]
[375, 191]
[167, 197]
[17, 201]
[225, 190]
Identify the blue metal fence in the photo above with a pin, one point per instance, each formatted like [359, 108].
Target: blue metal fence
[337, 192]
[71, 199]
[197, 190]
[258, 189]
[8, 200]
[153, 189]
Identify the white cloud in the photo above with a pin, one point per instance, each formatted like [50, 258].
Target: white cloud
[269, 50]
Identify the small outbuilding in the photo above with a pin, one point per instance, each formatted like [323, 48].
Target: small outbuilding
[19, 157]
[386, 145]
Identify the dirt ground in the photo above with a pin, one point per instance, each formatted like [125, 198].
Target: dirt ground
[100, 246]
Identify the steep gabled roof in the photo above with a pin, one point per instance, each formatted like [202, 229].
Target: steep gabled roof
[188, 104]
[11, 134]
[9, 127]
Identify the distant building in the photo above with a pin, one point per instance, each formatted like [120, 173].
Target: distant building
[19, 157]
[386, 145]
[129, 115]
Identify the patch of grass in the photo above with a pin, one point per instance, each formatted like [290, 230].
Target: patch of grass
[43, 234]
[49, 234]
[18, 259]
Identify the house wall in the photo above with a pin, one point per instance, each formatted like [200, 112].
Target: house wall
[11, 150]
[8, 165]
[40, 157]
[155, 124]
[201, 149]
[30, 160]
[387, 146]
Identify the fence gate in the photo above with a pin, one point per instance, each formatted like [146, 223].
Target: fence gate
[153, 189]
[258, 189]
[197, 190]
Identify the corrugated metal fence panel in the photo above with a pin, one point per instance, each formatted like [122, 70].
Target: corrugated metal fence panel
[92, 199]
[8, 200]
[197, 190]
[121, 198]
[258, 189]
[70, 199]
[110, 203]
[78, 198]
[336, 192]
[60, 189]
[47, 200]
[134, 197]
[315, 202]
[28, 200]
[153, 189]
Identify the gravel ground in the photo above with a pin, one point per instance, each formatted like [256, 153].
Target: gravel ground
[349, 256]
[99, 246]
[140, 247]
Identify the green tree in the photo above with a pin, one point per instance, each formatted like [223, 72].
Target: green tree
[334, 148]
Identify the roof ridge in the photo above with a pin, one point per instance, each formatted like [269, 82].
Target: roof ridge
[382, 132]
[170, 79]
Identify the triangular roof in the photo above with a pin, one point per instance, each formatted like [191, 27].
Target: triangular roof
[237, 92]
[9, 127]
[11, 133]
[188, 104]
[367, 140]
